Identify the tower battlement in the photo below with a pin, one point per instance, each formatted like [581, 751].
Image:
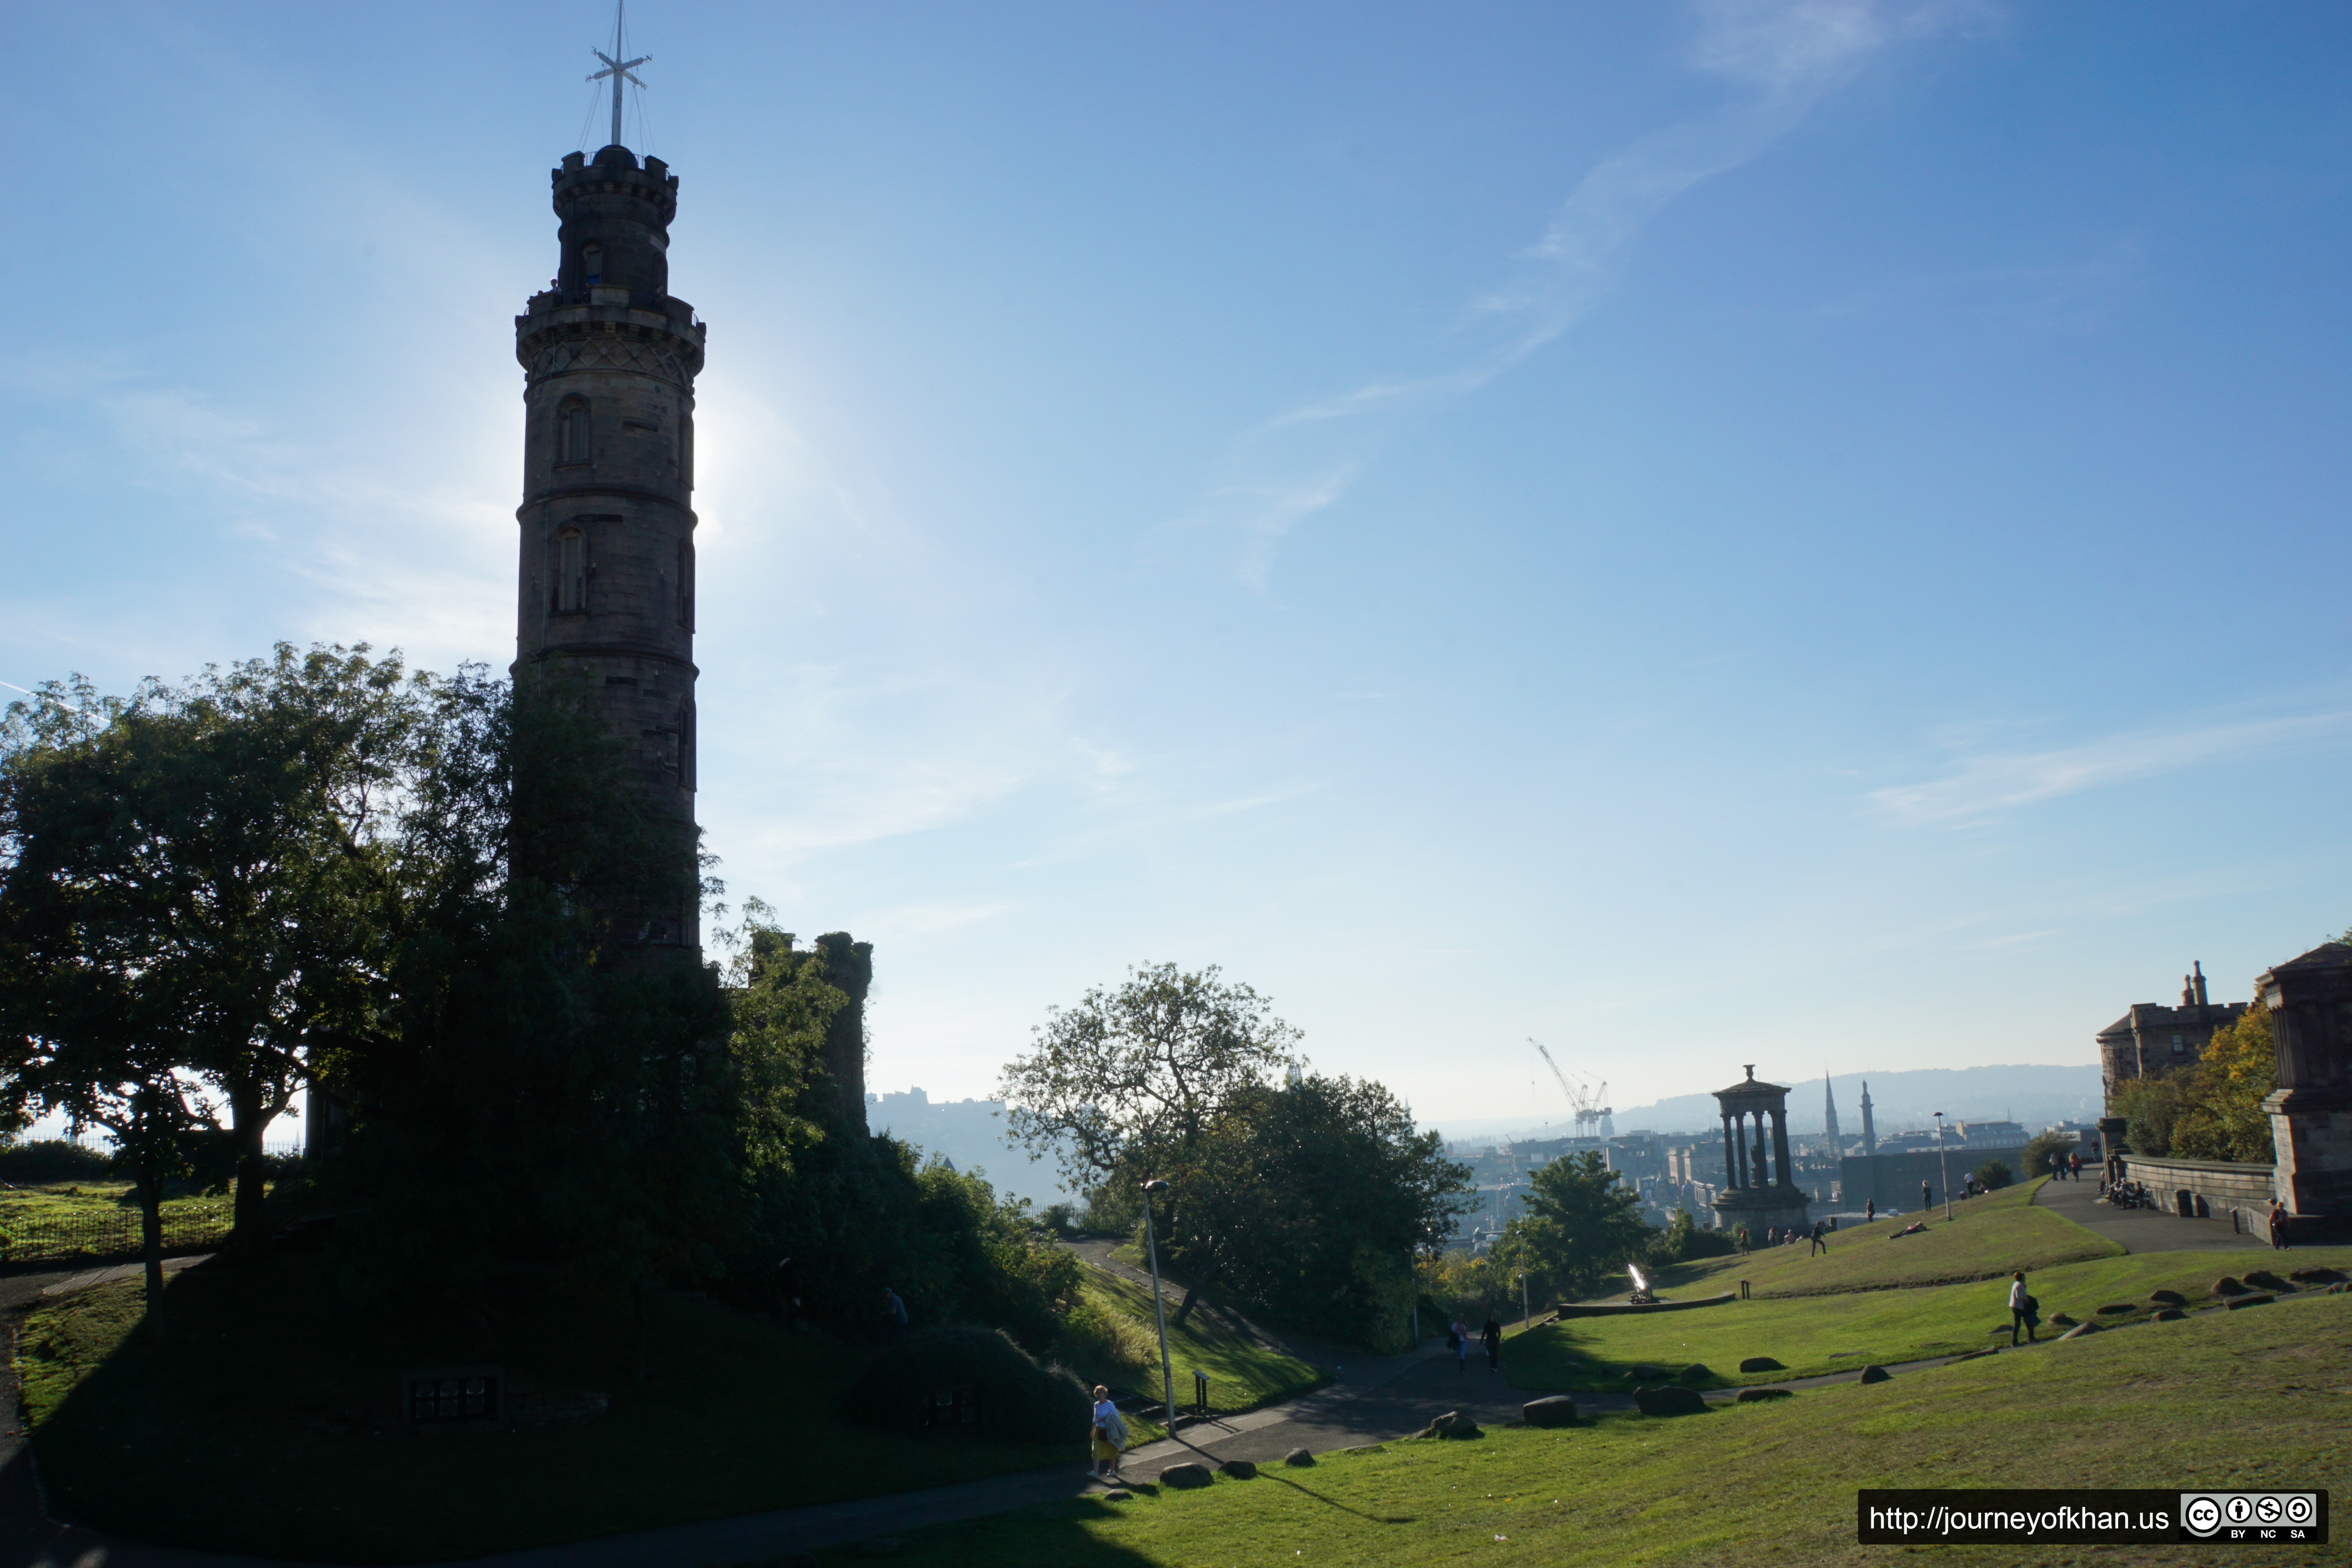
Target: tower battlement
[613, 226]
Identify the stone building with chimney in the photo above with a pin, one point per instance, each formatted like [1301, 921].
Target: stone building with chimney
[2149, 1040]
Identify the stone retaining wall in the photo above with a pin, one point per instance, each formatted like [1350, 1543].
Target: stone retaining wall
[2219, 1186]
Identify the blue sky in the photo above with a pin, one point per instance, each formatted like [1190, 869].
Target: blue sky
[1799, 533]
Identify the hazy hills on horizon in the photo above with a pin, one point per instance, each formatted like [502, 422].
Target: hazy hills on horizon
[2033, 1093]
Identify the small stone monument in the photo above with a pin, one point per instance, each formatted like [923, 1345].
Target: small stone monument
[1757, 1191]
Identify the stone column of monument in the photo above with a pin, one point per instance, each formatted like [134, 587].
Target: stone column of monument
[605, 580]
[2310, 1003]
[1781, 1146]
[1730, 1154]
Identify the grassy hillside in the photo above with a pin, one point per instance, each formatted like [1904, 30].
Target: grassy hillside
[1818, 1335]
[1986, 1237]
[2238, 1399]
[270, 1425]
[1243, 1374]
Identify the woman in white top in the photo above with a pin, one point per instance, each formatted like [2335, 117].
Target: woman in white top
[2020, 1311]
[1109, 1434]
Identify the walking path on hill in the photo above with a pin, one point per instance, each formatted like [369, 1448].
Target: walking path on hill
[2140, 1230]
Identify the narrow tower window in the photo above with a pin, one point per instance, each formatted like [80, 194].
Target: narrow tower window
[685, 584]
[592, 264]
[686, 746]
[686, 450]
[571, 572]
[571, 432]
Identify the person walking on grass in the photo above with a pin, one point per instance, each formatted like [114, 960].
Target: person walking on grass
[1457, 1340]
[2278, 1226]
[1927, 1197]
[1820, 1242]
[1491, 1336]
[2023, 1312]
[1869, 1212]
[1110, 1435]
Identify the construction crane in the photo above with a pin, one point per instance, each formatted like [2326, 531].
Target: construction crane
[1593, 1114]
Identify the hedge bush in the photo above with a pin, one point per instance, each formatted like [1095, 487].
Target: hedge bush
[1015, 1395]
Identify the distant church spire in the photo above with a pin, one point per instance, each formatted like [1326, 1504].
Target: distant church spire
[1869, 1133]
[1828, 1098]
[618, 69]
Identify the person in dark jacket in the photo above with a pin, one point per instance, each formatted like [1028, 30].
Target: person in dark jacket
[1491, 1336]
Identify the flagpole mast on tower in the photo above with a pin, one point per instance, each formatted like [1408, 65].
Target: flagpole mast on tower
[617, 69]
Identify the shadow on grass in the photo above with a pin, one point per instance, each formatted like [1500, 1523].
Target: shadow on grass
[1305, 1490]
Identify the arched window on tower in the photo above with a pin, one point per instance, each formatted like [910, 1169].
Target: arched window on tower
[570, 572]
[686, 746]
[572, 433]
[592, 265]
[685, 584]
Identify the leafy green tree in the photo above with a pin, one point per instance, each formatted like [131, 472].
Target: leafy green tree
[1992, 1176]
[1331, 1193]
[2035, 1160]
[1579, 1221]
[233, 829]
[1129, 1085]
[2222, 1115]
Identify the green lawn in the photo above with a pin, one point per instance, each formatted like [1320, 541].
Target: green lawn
[1243, 1374]
[1986, 1237]
[1817, 1334]
[267, 1425]
[2238, 1399]
[59, 1220]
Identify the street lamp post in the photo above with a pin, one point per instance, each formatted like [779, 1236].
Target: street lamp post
[1943, 1168]
[1159, 1309]
[1527, 1314]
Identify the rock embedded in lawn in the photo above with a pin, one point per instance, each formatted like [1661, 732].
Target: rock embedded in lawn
[1757, 1396]
[1669, 1400]
[2229, 1284]
[1453, 1424]
[1240, 1470]
[2318, 1275]
[1759, 1364]
[1186, 1475]
[1696, 1373]
[1299, 1458]
[2237, 1301]
[1553, 1410]
[1643, 1371]
[2062, 1321]
[2170, 1315]
[1874, 1373]
[2079, 1329]
[2266, 1279]
[2117, 1310]
[2167, 1297]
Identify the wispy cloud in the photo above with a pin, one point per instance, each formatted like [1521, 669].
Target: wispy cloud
[1983, 785]
[1783, 56]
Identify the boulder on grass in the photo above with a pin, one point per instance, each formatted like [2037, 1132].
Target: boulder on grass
[2315, 1276]
[1240, 1470]
[1553, 1410]
[2167, 1297]
[1757, 1396]
[2264, 1280]
[2117, 1310]
[1697, 1371]
[1670, 1400]
[1874, 1373]
[1643, 1371]
[2229, 1284]
[1759, 1364]
[2061, 1321]
[2079, 1329]
[1186, 1475]
[1299, 1458]
[2237, 1301]
[2170, 1315]
[1453, 1424]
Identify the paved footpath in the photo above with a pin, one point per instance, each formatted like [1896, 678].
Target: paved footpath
[2141, 1230]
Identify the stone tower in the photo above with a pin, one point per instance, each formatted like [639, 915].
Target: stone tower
[605, 586]
[1869, 1131]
